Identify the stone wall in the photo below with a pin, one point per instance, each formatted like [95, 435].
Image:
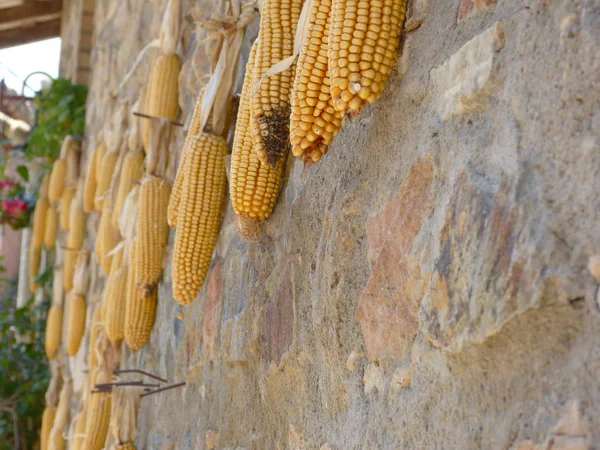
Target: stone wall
[425, 285]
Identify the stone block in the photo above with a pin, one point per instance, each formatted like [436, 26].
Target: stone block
[472, 8]
[463, 82]
[212, 312]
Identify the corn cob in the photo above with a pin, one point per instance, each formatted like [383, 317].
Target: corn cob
[91, 180]
[57, 181]
[35, 259]
[314, 120]
[51, 228]
[79, 430]
[127, 446]
[131, 172]
[199, 216]
[65, 206]
[140, 311]
[115, 300]
[271, 103]
[53, 331]
[98, 418]
[76, 322]
[39, 222]
[57, 441]
[95, 329]
[152, 233]
[47, 423]
[108, 165]
[74, 243]
[162, 98]
[363, 46]
[106, 239]
[254, 186]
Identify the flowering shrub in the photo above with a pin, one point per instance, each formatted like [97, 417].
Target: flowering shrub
[16, 205]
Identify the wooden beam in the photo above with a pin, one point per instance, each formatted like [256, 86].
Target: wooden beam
[25, 35]
[31, 8]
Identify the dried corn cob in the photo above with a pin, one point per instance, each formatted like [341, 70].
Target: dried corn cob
[76, 322]
[363, 46]
[47, 423]
[152, 233]
[131, 172]
[108, 165]
[79, 435]
[51, 228]
[140, 311]
[74, 242]
[53, 331]
[91, 179]
[114, 300]
[57, 181]
[35, 260]
[57, 441]
[98, 417]
[314, 121]
[65, 206]
[39, 223]
[254, 186]
[199, 216]
[271, 103]
[95, 330]
[162, 99]
[107, 238]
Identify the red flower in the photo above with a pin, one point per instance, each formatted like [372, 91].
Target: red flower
[6, 185]
[14, 207]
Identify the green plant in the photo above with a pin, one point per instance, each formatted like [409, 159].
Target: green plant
[61, 111]
[24, 375]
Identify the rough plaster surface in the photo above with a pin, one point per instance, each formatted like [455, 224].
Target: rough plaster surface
[425, 285]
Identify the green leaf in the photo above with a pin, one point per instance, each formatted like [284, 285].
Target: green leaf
[23, 172]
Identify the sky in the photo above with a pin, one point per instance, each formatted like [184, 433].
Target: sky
[24, 59]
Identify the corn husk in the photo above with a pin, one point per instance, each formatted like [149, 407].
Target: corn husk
[57, 440]
[124, 413]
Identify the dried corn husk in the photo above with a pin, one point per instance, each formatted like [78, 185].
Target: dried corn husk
[124, 413]
[57, 440]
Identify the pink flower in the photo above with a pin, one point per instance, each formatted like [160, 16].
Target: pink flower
[14, 207]
[6, 185]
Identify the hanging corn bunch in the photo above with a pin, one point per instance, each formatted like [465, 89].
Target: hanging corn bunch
[254, 185]
[57, 440]
[162, 98]
[198, 210]
[363, 46]
[270, 120]
[77, 305]
[75, 238]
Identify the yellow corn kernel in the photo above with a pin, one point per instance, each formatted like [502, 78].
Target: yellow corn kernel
[162, 98]
[152, 233]
[53, 331]
[114, 300]
[311, 139]
[47, 423]
[51, 228]
[39, 223]
[95, 330]
[57, 181]
[254, 186]
[131, 172]
[65, 206]
[76, 323]
[140, 311]
[98, 418]
[91, 180]
[199, 215]
[359, 71]
[271, 103]
[35, 260]
[107, 170]
[79, 429]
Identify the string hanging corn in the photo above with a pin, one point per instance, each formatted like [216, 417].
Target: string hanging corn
[114, 300]
[254, 186]
[51, 228]
[131, 172]
[108, 165]
[199, 215]
[162, 98]
[152, 233]
[140, 311]
[363, 46]
[47, 423]
[53, 331]
[314, 120]
[65, 206]
[271, 103]
[58, 176]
